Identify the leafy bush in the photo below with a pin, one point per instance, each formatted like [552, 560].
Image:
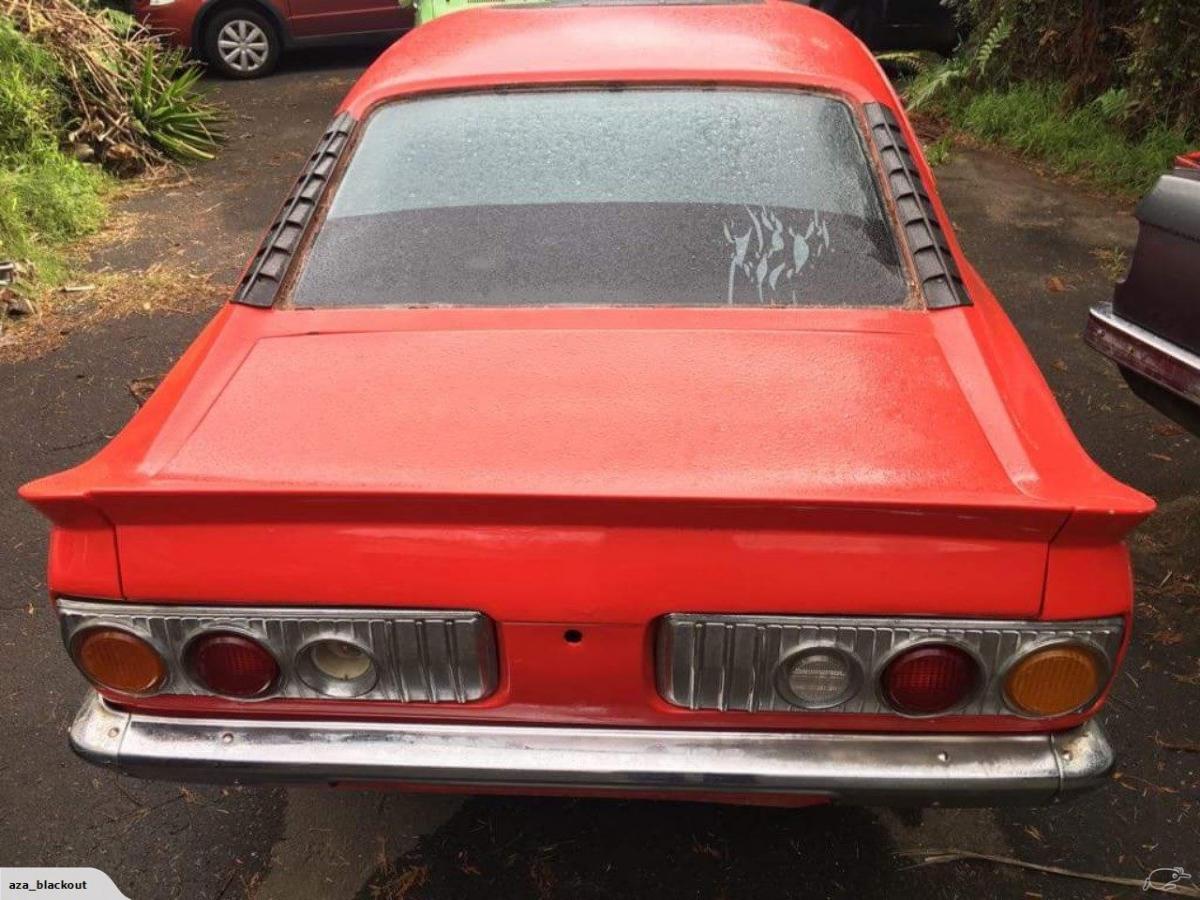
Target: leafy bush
[79, 81]
[31, 107]
[167, 108]
[46, 197]
[133, 102]
[1029, 119]
[1103, 90]
[45, 202]
[1149, 50]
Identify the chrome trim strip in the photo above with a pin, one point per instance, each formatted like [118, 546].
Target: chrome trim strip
[868, 768]
[720, 662]
[424, 656]
[1133, 347]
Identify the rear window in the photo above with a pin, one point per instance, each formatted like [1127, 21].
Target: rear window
[623, 197]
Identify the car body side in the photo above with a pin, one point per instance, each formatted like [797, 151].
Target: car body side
[299, 21]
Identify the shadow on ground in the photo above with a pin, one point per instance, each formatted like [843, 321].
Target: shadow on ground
[513, 848]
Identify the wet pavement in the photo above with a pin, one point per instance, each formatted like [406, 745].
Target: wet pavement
[1039, 245]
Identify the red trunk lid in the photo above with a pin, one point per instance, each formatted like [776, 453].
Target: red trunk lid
[580, 473]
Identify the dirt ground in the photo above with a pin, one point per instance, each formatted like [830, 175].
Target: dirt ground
[1044, 249]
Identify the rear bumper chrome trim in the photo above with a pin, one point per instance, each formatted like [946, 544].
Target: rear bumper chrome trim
[1133, 347]
[949, 769]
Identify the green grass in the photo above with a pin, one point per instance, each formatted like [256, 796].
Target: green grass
[45, 203]
[47, 198]
[1087, 142]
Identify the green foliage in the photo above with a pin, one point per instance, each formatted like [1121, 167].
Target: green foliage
[133, 102]
[46, 197]
[79, 80]
[45, 202]
[990, 44]
[1029, 119]
[1103, 89]
[935, 81]
[169, 109]
[909, 62]
[31, 105]
[939, 151]
[1148, 49]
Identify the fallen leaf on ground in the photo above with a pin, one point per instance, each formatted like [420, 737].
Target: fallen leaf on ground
[1167, 636]
[1056, 285]
[1168, 429]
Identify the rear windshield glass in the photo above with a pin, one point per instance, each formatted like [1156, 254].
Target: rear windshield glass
[633, 197]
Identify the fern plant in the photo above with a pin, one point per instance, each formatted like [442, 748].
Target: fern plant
[992, 41]
[933, 80]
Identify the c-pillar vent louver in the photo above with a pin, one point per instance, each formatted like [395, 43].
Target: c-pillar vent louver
[941, 282]
[261, 283]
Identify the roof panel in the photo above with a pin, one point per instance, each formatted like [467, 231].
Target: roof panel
[772, 42]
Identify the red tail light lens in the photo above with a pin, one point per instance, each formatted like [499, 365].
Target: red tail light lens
[929, 679]
[232, 664]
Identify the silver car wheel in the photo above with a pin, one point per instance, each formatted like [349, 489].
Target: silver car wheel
[243, 46]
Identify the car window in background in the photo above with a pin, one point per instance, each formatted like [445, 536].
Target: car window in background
[628, 197]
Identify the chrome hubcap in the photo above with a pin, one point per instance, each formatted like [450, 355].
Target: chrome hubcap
[243, 45]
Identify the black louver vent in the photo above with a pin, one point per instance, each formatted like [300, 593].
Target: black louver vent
[262, 280]
[941, 282]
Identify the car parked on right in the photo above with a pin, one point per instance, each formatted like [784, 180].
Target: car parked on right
[1151, 329]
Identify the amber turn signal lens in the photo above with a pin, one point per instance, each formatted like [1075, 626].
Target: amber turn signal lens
[119, 661]
[1054, 681]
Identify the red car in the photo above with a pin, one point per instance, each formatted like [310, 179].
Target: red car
[609, 410]
[245, 38]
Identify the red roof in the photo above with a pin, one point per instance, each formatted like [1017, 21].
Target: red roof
[768, 42]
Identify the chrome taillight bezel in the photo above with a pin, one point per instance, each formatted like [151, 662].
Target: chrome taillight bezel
[734, 662]
[421, 656]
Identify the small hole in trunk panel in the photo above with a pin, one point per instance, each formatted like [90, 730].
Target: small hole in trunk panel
[572, 636]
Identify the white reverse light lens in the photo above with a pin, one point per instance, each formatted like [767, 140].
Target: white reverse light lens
[819, 678]
[340, 660]
[161, 2]
[336, 668]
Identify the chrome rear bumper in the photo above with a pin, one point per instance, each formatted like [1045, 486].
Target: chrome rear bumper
[863, 768]
[1133, 347]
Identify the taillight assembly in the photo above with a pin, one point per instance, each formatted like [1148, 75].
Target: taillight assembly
[118, 660]
[302, 653]
[231, 664]
[930, 679]
[863, 665]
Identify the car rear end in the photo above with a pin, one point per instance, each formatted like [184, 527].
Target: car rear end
[632, 472]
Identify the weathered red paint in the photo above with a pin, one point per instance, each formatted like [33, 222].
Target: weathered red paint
[597, 468]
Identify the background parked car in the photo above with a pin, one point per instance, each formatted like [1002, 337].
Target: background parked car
[1151, 330]
[245, 38]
